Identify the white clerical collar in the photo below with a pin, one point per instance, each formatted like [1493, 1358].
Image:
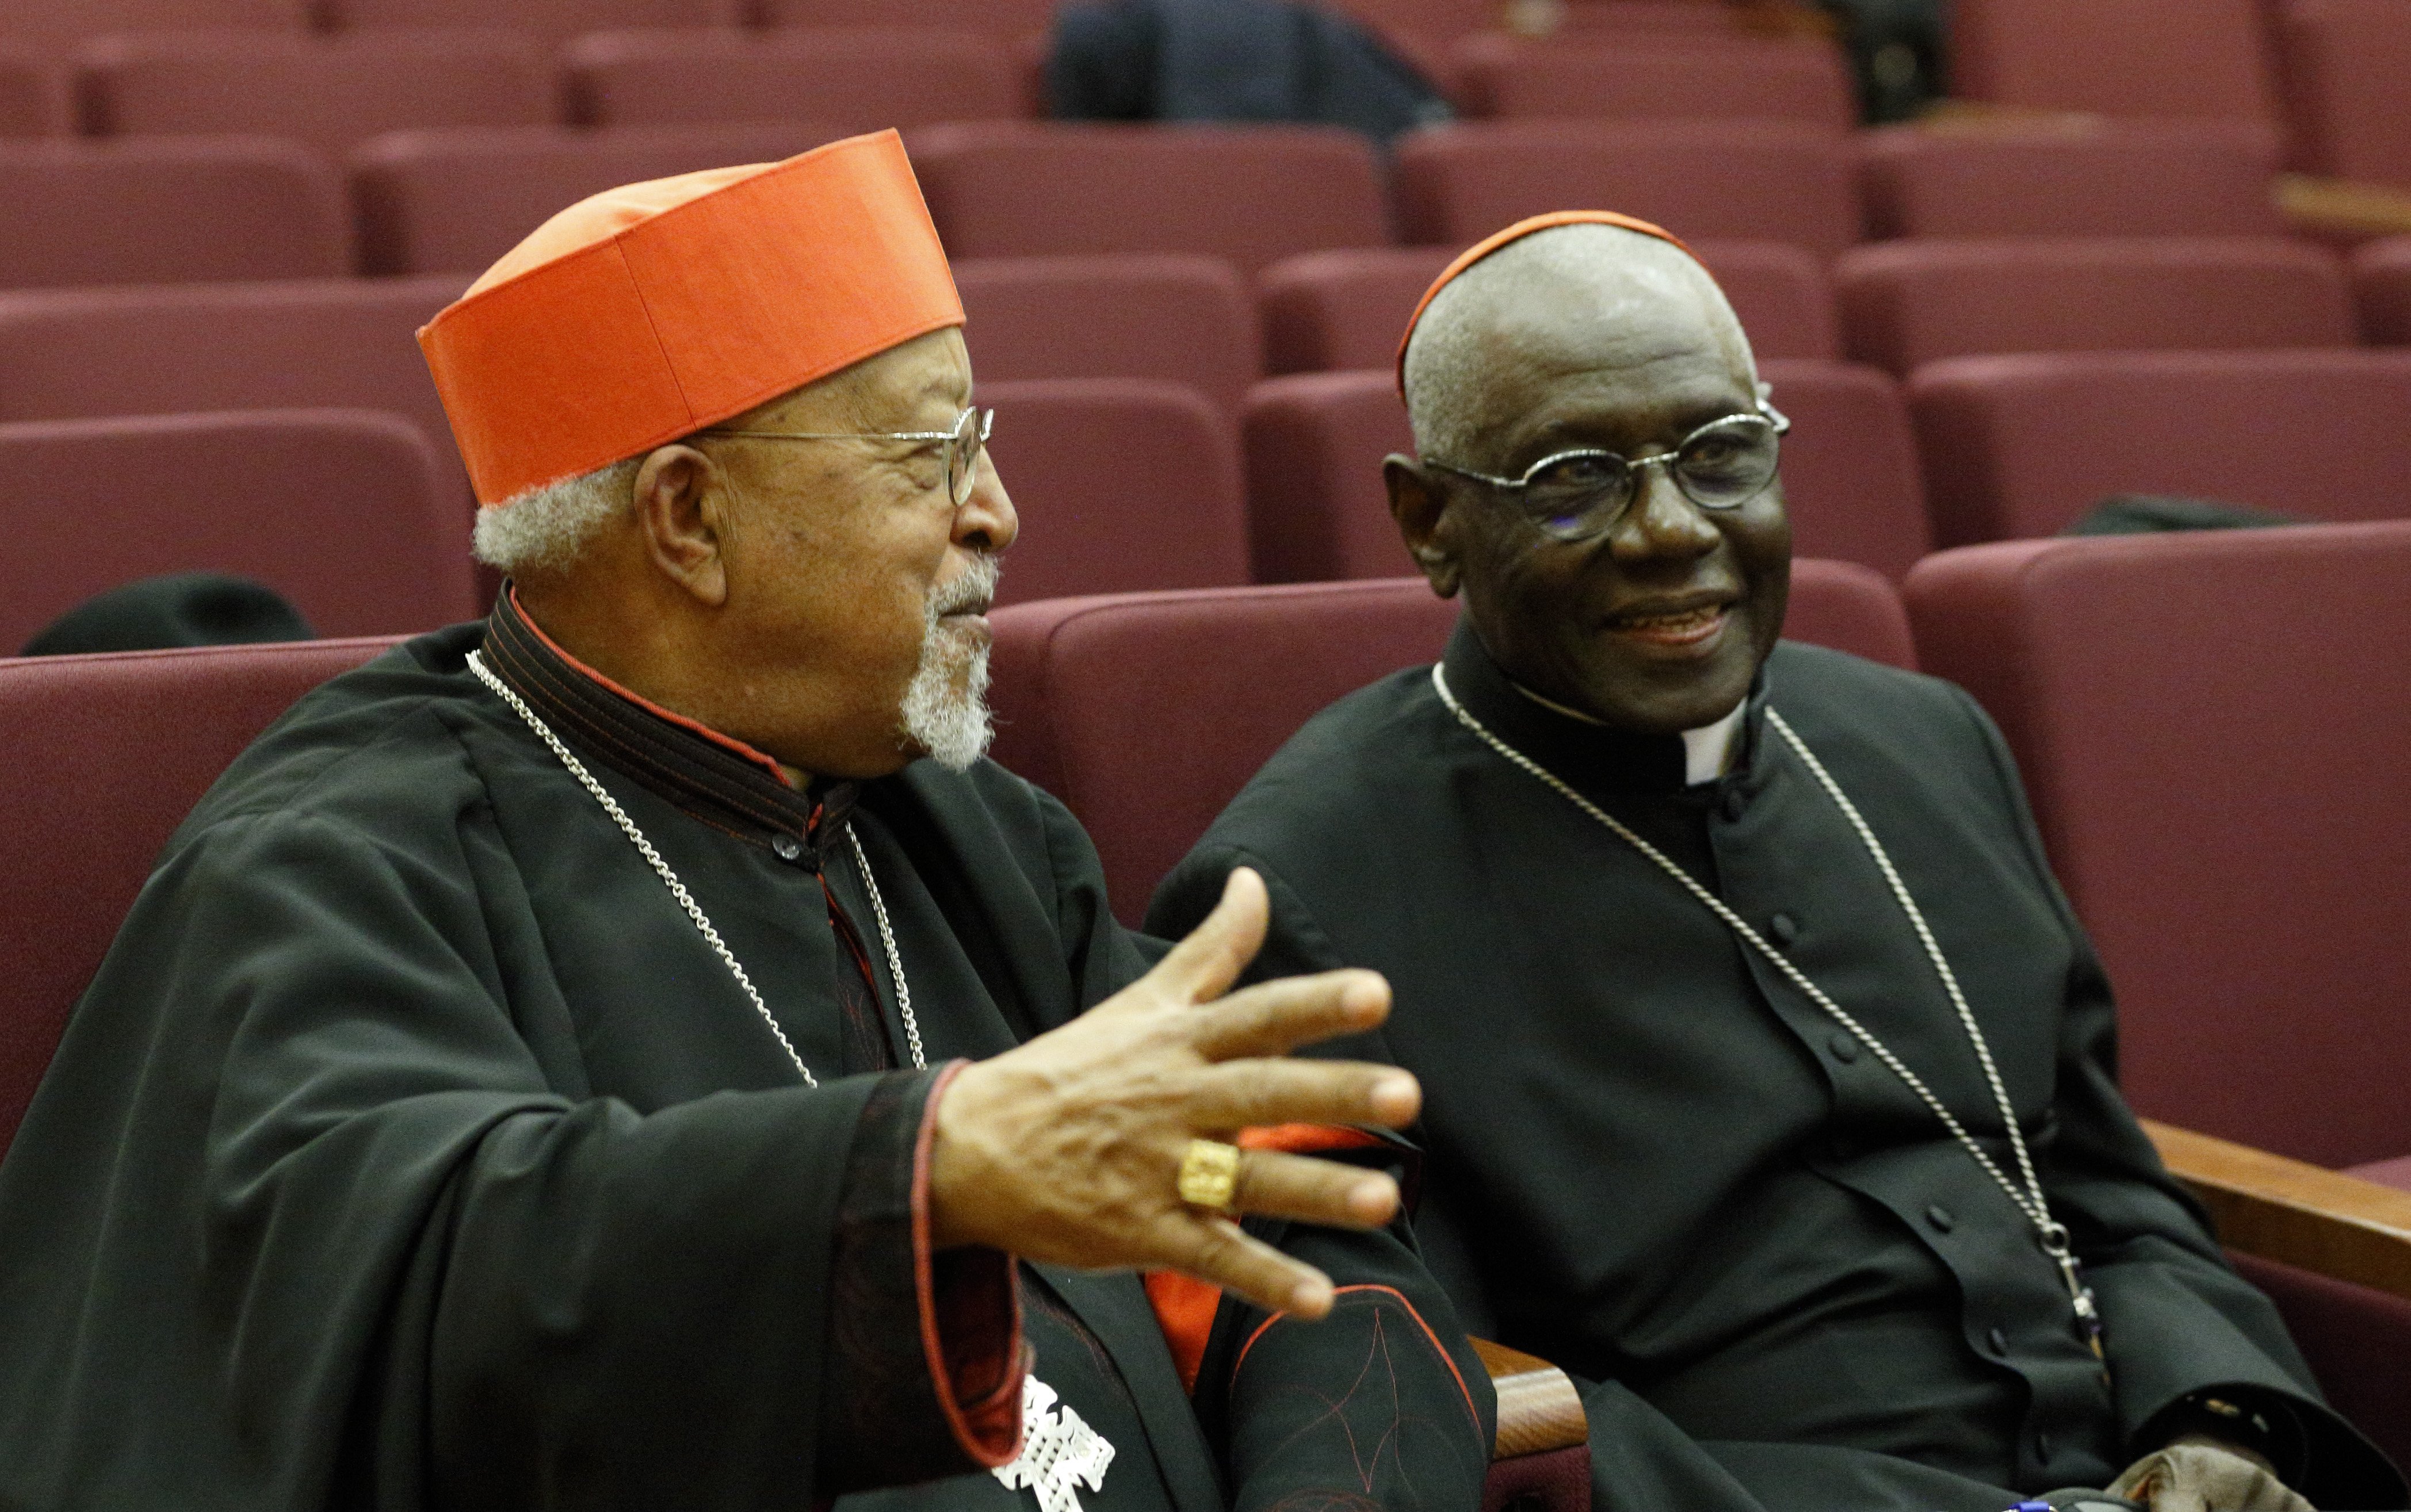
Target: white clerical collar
[1706, 751]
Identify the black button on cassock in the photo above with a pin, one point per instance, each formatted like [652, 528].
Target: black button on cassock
[1999, 1340]
[1734, 802]
[1942, 1218]
[2042, 1445]
[1784, 928]
[786, 847]
[1845, 1048]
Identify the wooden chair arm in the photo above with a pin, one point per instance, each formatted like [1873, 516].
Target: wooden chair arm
[2344, 207]
[2295, 1213]
[1539, 1409]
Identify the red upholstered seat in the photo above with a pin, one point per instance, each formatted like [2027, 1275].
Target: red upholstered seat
[1008, 18]
[2115, 57]
[2215, 729]
[33, 101]
[1146, 713]
[1334, 309]
[2087, 177]
[2381, 280]
[168, 211]
[327, 92]
[550, 21]
[347, 513]
[100, 759]
[1910, 302]
[1120, 483]
[1850, 483]
[1648, 18]
[1171, 317]
[853, 79]
[1252, 195]
[1625, 76]
[53, 31]
[454, 201]
[2022, 445]
[2345, 63]
[1748, 182]
[2356, 1339]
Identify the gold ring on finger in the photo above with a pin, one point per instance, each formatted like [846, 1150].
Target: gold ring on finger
[1209, 1174]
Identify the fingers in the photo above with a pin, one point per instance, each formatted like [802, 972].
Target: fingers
[1241, 1093]
[1215, 1251]
[1202, 966]
[1279, 1185]
[1274, 1018]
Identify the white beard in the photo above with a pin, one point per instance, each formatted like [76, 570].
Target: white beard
[945, 705]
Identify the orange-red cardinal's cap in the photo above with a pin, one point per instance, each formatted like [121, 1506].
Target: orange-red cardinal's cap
[1517, 232]
[653, 310]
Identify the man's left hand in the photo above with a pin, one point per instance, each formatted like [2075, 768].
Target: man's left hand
[2200, 1473]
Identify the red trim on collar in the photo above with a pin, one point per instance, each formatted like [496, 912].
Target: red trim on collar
[727, 743]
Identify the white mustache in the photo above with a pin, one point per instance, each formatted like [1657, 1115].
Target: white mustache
[970, 593]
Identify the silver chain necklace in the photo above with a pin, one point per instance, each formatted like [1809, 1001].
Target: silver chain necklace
[2050, 1233]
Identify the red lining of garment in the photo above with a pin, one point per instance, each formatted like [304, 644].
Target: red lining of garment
[1184, 1310]
[1299, 1139]
[924, 1295]
[1446, 1358]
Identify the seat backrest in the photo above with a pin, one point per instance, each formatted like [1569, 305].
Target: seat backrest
[2215, 730]
[1326, 311]
[1120, 483]
[2114, 57]
[2084, 178]
[454, 201]
[329, 93]
[101, 757]
[2346, 62]
[33, 99]
[2381, 282]
[1655, 77]
[1166, 316]
[1751, 181]
[1004, 18]
[169, 212]
[1252, 195]
[344, 512]
[853, 78]
[550, 21]
[1910, 302]
[2022, 445]
[1079, 691]
[54, 31]
[1850, 483]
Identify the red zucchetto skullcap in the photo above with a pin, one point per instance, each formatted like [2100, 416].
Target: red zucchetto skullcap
[636, 316]
[1517, 232]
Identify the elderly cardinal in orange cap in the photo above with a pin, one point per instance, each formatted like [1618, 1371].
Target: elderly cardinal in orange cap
[633, 1052]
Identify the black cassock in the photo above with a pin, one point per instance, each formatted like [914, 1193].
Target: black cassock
[1653, 1160]
[413, 1149]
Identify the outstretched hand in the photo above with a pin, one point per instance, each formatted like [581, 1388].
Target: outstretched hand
[1067, 1149]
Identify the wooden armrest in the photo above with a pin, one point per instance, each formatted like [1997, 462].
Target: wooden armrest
[2295, 1213]
[2344, 205]
[1539, 1409]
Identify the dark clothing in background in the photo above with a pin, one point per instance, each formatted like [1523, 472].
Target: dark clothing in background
[1652, 1160]
[2145, 514]
[160, 613]
[1899, 50]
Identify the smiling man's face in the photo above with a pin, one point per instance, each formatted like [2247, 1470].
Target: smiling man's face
[1658, 624]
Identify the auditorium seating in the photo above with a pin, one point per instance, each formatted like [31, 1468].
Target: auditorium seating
[1850, 483]
[2346, 64]
[168, 211]
[1332, 310]
[346, 513]
[1120, 484]
[1748, 182]
[2114, 57]
[1653, 78]
[2216, 731]
[1078, 713]
[552, 22]
[453, 201]
[2083, 178]
[1251, 194]
[54, 30]
[1644, 17]
[1910, 303]
[1166, 317]
[2022, 445]
[328, 94]
[2381, 276]
[32, 101]
[1003, 18]
[852, 79]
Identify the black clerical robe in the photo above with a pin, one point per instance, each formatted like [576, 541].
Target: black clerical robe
[1655, 1162]
[413, 1148]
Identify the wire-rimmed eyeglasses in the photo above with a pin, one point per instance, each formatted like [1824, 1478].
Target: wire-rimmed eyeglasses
[1575, 495]
[964, 443]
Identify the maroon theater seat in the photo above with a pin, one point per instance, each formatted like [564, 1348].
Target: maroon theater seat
[2381, 280]
[1120, 483]
[2114, 57]
[347, 513]
[1146, 712]
[101, 757]
[2022, 445]
[855, 79]
[327, 92]
[53, 31]
[169, 212]
[549, 22]
[2347, 64]
[1749, 182]
[1173, 318]
[1655, 78]
[1850, 483]
[2089, 178]
[1651, 18]
[32, 102]
[1910, 302]
[454, 201]
[1443, 20]
[1004, 18]
[1325, 311]
[1252, 195]
[2215, 730]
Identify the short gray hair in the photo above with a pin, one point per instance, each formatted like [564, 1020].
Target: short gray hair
[545, 526]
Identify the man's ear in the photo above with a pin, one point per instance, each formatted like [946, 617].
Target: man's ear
[1421, 508]
[681, 508]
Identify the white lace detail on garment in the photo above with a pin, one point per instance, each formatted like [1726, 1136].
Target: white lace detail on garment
[1059, 1451]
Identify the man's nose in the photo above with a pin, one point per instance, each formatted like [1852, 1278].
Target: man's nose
[986, 521]
[1660, 521]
